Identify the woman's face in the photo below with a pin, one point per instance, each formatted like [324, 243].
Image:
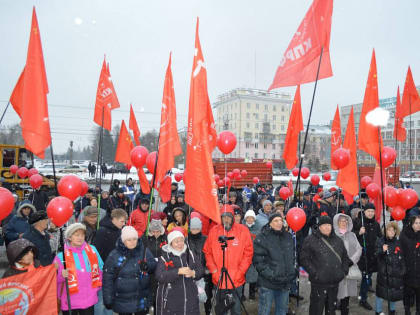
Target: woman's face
[342, 224]
[238, 218]
[156, 233]
[94, 202]
[178, 243]
[78, 238]
[178, 216]
[180, 199]
[390, 232]
[250, 220]
[165, 222]
[26, 211]
[131, 243]
[173, 200]
[416, 225]
[27, 259]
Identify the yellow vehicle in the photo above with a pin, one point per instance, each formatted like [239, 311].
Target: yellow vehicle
[18, 155]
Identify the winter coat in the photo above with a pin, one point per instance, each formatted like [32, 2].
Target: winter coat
[177, 294]
[18, 224]
[106, 238]
[42, 243]
[155, 244]
[262, 219]
[390, 263]
[79, 205]
[168, 211]
[138, 220]
[373, 232]
[13, 252]
[118, 203]
[323, 266]
[327, 207]
[125, 286]
[252, 274]
[196, 243]
[238, 253]
[90, 233]
[39, 199]
[274, 258]
[410, 245]
[172, 225]
[87, 296]
[348, 287]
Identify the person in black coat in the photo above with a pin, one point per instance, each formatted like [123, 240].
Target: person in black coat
[126, 279]
[327, 206]
[39, 199]
[18, 224]
[120, 201]
[82, 202]
[391, 268]
[325, 259]
[274, 260]
[410, 244]
[170, 208]
[368, 231]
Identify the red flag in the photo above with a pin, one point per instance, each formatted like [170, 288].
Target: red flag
[106, 98]
[369, 134]
[294, 127]
[169, 146]
[144, 183]
[32, 292]
[378, 201]
[399, 130]
[29, 97]
[165, 188]
[335, 135]
[200, 189]
[124, 147]
[133, 126]
[410, 100]
[290, 186]
[299, 63]
[347, 177]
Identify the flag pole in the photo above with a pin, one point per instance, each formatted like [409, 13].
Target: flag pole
[99, 167]
[396, 149]
[66, 280]
[411, 157]
[4, 112]
[53, 164]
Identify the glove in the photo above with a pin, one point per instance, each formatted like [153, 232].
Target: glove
[144, 267]
[108, 306]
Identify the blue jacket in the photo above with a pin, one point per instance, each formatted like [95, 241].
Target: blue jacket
[42, 243]
[18, 224]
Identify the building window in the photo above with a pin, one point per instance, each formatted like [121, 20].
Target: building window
[246, 154]
[247, 125]
[274, 146]
[247, 145]
[274, 156]
[256, 155]
[264, 155]
[274, 117]
[274, 127]
[282, 127]
[256, 115]
[282, 108]
[266, 107]
[265, 117]
[256, 125]
[256, 136]
[256, 145]
[282, 118]
[236, 116]
[257, 106]
[274, 108]
[248, 105]
[248, 115]
[265, 145]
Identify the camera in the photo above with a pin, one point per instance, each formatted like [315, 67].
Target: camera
[224, 239]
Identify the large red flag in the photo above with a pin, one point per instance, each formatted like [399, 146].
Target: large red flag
[347, 177]
[294, 127]
[299, 63]
[200, 189]
[33, 292]
[410, 100]
[368, 134]
[106, 99]
[124, 147]
[133, 126]
[335, 135]
[169, 145]
[400, 133]
[29, 97]
[144, 183]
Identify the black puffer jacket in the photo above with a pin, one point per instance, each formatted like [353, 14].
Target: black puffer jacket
[393, 262]
[39, 199]
[410, 244]
[42, 243]
[328, 208]
[371, 236]
[124, 286]
[323, 266]
[155, 244]
[106, 238]
[274, 258]
[196, 244]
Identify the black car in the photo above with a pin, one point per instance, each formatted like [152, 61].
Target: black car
[118, 168]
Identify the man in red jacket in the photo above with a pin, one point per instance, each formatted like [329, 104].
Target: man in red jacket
[138, 218]
[238, 257]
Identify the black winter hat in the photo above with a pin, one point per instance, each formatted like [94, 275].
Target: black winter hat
[37, 216]
[324, 220]
[273, 216]
[369, 206]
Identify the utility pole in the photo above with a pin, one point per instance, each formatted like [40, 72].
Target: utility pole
[71, 153]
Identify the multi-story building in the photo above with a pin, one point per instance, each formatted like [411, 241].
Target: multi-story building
[259, 120]
[318, 147]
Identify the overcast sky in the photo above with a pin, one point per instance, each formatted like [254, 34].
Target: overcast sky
[137, 36]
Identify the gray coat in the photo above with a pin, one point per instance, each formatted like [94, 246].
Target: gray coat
[348, 287]
[252, 274]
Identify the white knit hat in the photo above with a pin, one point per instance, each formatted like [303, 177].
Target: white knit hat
[173, 235]
[128, 232]
[250, 213]
[72, 228]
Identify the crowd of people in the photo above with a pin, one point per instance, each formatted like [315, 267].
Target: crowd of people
[119, 257]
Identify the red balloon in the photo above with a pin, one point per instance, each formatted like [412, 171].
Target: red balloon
[304, 172]
[226, 141]
[226, 182]
[409, 198]
[216, 178]
[398, 213]
[332, 189]
[236, 171]
[326, 176]
[32, 171]
[22, 172]
[14, 169]
[178, 177]
[60, 210]
[220, 183]
[295, 171]
[84, 189]
[238, 177]
[390, 196]
[388, 156]
[151, 162]
[128, 167]
[284, 193]
[35, 181]
[7, 202]
[400, 195]
[244, 173]
[255, 180]
[315, 180]
[341, 157]
[269, 164]
[296, 218]
[365, 181]
[372, 190]
[70, 186]
[230, 175]
[138, 156]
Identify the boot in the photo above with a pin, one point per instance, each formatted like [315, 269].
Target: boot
[344, 306]
[391, 312]
[407, 311]
[365, 305]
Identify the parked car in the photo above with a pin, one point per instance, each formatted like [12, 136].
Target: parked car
[118, 168]
[411, 174]
[73, 169]
[284, 172]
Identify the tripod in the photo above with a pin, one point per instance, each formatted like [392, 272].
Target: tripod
[224, 275]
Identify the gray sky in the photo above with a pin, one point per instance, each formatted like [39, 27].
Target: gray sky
[137, 37]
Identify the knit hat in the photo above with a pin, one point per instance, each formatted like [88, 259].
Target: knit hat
[324, 220]
[37, 216]
[90, 210]
[173, 235]
[155, 225]
[195, 223]
[369, 206]
[71, 229]
[128, 232]
[273, 216]
[250, 213]
[267, 202]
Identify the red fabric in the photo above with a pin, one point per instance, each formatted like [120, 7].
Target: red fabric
[169, 145]
[290, 186]
[200, 188]
[134, 126]
[294, 127]
[400, 133]
[378, 201]
[165, 189]
[106, 98]
[124, 147]
[144, 183]
[238, 253]
[38, 292]
[335, 136]
[299, 63]
[410, 100]
[368, 134]
[347, 177]
[138, 220]
[29, 97]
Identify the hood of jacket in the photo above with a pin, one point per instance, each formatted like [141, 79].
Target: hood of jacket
[261, 212]
[25, 204]
[335, 223]
[16, 248]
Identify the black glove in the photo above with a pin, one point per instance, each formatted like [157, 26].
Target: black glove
[144, 267]
[108, 306]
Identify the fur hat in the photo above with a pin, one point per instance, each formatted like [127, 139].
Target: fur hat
[173, 235]
[324, 220]
[71, 229]
[195, 223]
[37, 216]
[128, 232]
[156, 225]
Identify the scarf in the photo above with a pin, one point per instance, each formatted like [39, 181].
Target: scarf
[176, 252]
[20, 267]
[71, 267]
